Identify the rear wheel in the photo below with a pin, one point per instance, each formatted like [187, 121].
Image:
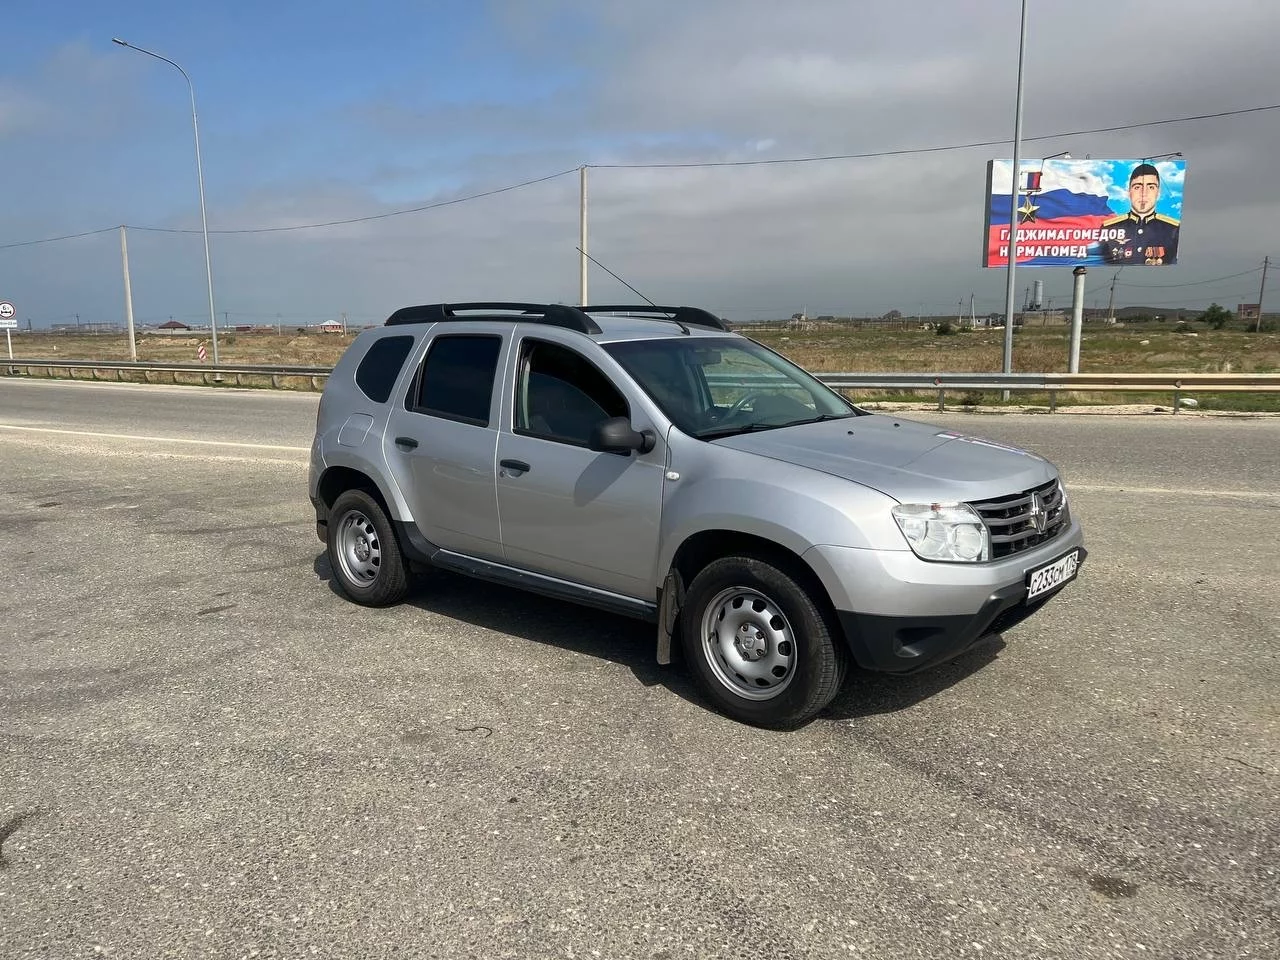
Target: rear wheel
[760, 646]
[363, 552]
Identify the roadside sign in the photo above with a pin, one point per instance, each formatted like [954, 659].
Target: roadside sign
[8, 318]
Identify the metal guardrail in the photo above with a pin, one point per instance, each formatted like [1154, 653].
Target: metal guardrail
[207, 373]
[1176, 384]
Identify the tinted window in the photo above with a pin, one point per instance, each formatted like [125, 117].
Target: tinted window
[715, 387]
[561, 396]
[380, 367]
[457, 378]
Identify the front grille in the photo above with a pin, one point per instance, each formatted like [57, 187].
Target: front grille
[1011, 519]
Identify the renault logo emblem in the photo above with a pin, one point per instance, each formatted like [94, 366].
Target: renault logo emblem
[1038, 518]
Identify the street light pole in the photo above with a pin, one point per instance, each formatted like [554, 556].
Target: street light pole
[204, 221]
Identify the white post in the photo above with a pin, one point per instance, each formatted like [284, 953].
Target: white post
[1013, 205]
[1077, 317]
[1266, 262]
[128, 296]
[582, 237]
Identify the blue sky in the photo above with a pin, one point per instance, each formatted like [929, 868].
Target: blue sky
[325, 111]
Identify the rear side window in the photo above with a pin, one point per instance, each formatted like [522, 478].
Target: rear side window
[456, 380]
[380, 367]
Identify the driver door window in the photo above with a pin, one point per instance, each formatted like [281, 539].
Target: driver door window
[560, 396]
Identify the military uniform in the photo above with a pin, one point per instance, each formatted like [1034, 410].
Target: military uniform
[1150, 241]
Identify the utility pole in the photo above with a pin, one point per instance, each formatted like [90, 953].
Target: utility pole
[973, 320]
[582, 236]
[128, 296]
[1111, 302]
[1261, 290]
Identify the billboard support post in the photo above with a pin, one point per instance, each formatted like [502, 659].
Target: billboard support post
[1013, 205]
[1077, 317]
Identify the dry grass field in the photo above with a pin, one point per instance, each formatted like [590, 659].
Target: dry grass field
[1134, 348]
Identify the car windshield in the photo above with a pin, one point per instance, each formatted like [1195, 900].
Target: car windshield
[715, 387]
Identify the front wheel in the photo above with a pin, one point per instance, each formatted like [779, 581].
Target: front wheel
[760, 646]
[363, 552]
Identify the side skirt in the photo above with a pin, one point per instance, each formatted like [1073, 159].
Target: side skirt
[418, 548]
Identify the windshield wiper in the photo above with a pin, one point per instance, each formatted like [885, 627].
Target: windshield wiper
[734, 431]
[819, 419]
[753, 427]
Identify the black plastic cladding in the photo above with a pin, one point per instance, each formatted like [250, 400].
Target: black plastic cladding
[554, 314]
[693, 316]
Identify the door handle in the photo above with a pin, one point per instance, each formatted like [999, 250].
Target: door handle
[408, 442]
[514, 465]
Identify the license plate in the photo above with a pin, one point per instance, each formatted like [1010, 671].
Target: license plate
[1053, 575]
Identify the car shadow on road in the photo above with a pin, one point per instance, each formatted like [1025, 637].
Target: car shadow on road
[557, 623]
[632, 643]
[869, 694]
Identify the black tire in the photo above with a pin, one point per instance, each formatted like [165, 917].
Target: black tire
[363, 552]
[760, 646]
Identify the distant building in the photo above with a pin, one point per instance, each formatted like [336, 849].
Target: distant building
[1248, 311]
[173, 325]
[333, 326]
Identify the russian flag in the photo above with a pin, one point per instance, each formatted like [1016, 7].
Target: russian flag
[1061, 203]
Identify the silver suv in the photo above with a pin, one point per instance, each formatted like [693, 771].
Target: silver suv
[648, 461]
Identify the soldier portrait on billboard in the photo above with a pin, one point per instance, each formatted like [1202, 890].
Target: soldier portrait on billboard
[1146, 238]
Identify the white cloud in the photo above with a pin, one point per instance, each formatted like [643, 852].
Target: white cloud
[1171, 173]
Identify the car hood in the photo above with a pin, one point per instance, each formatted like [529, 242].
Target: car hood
[910, 461]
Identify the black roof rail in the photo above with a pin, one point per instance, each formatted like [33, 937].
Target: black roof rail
[553, 314]
[693, 316]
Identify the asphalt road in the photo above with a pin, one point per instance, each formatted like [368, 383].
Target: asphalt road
[205, 752]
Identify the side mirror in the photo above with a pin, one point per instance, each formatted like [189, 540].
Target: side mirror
[617, 436]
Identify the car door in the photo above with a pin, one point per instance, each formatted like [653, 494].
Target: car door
[441, 442]
[566, 510]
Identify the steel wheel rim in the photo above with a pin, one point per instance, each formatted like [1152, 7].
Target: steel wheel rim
[359, 549]
[748, 643]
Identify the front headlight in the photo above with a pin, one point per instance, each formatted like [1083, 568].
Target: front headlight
[944, 531]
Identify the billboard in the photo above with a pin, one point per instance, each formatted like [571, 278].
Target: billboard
[1086, 212]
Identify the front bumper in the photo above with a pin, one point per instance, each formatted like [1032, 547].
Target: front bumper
[907, 644]
[901, 614]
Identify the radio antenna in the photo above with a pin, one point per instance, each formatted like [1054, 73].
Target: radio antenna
[615, 276]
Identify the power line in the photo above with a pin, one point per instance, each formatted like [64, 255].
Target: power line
[1179, 303]
[70, 236]
[378, 216]
[707, 163]
[936, 149]
[307, 226]
[1190, 283]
